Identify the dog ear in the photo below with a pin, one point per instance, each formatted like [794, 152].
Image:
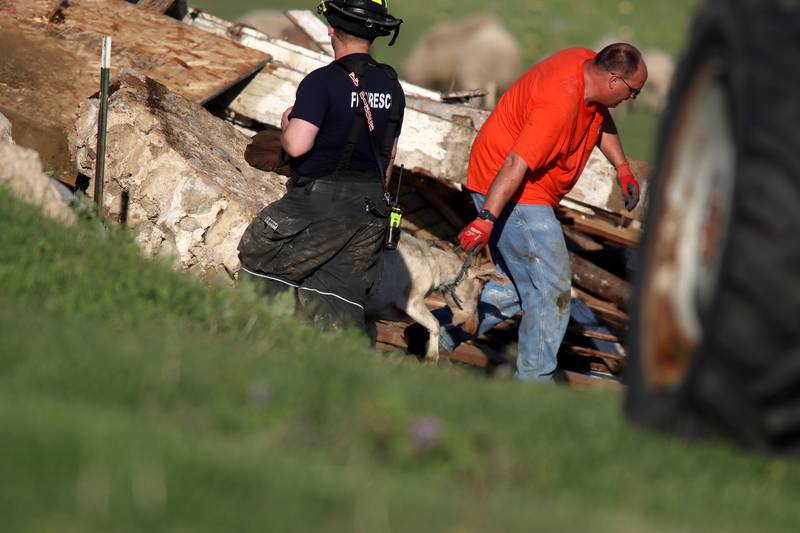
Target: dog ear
[487, 273]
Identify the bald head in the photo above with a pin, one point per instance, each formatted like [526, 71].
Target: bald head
[622, 58]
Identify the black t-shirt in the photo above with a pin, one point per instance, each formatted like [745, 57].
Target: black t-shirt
[328, 99]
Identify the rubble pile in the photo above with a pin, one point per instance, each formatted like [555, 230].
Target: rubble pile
[190, 90]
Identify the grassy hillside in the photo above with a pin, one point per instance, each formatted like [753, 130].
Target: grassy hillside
[132, 398]
[542, 27]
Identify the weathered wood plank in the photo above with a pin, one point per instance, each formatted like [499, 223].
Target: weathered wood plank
[591, 352]
[187, 61]
[600, 306]
[390, 333]
[65, 68]
[591, 334]
[157, 6]
[268, 95]
[581, 381]
[466, 115]
[51, 60]
[595, 226]
[28, 9]
[430, 145]
[599, 281]
[470, 354]
[584, 242]
[291, 55]
[312, 26]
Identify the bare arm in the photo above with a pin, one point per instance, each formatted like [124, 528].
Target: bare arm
[506, 183]
[298, 135]
[609, 143]
[612, 149]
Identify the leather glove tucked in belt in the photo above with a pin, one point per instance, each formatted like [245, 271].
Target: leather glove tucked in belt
[476, 235]
[629, 185]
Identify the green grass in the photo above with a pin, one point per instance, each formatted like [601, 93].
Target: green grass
[133, 398]
[542, 27]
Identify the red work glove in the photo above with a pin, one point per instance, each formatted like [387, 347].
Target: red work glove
[629, 185]
[475, 235]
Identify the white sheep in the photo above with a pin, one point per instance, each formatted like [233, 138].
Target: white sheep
[478, 52]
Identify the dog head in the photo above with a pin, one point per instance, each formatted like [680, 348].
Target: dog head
[468, 293]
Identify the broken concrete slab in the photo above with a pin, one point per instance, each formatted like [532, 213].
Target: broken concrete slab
[5, 129]
[176, 176]
[21, 173]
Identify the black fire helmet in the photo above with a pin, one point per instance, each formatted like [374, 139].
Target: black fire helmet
[367, 19]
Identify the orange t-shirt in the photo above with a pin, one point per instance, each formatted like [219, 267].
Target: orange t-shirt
[543, 119]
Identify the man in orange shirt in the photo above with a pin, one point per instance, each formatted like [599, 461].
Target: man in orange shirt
[526, 157]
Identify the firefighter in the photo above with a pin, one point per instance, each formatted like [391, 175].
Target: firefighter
[526, 157]
[323, 239]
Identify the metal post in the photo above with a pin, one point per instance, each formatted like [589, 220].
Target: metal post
[102, 122]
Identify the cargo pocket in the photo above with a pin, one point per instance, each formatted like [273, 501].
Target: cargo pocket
[269, 242]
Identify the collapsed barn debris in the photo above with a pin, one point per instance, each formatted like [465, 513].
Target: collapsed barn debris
[176, 172]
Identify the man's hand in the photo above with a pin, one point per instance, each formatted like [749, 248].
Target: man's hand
[629, 185]
[475, 235]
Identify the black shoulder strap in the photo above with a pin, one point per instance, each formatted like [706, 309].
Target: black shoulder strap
[355, 74]
[356, 67]
[394, 111]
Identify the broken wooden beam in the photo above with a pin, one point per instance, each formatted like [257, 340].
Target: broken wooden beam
[583, 381]
[599, 281]
[463, 96]
[392, 334]
[581, 241]
[290, 55]
[313, 27]
[589, 334]
[595, 226]
[430, 145]
[600, 306]
[591, 352]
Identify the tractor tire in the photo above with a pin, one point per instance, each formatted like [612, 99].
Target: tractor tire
[715, 331]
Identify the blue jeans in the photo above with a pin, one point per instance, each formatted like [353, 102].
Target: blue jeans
[528, 247]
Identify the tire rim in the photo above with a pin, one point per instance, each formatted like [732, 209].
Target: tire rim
[689, 230]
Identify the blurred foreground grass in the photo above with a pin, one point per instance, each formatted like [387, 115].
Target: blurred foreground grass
[132, 398]
[542, 27]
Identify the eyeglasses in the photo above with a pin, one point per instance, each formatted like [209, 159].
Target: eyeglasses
[634, 92]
